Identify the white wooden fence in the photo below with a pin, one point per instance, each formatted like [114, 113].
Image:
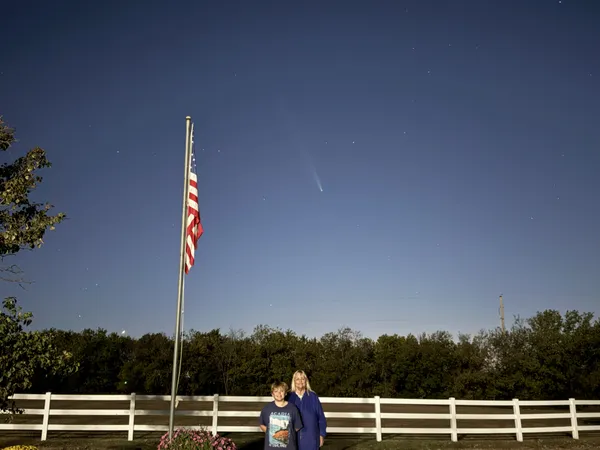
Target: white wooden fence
[517, 417]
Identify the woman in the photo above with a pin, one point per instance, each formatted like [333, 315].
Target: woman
[313, 434]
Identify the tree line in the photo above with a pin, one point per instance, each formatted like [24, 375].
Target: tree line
[549, 356]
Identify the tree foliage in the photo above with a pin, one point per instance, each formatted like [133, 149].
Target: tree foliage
[548, 356]
[23, 222]
[23, 354]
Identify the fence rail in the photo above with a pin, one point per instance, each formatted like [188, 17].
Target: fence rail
[516, 415]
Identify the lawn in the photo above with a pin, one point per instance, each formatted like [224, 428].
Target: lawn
[255, 442]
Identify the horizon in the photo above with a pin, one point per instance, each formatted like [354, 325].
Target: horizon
[248, 333]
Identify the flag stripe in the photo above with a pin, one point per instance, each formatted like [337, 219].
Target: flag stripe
[193, 225]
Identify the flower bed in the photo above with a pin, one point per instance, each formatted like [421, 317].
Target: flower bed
[20, 447]
[186, 439]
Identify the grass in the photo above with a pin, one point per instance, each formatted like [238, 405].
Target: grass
[253, 441]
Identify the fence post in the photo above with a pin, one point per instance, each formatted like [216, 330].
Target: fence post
[453, 423]
[573, 411]
[378, 417]
[131, 417]
[46, 418]
[518, 424]
[215, 413]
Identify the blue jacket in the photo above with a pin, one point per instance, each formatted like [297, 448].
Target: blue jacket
[313, 418]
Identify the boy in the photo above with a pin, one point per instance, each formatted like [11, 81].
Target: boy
[280, 420]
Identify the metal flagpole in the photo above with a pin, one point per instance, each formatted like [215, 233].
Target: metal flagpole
[180, 289]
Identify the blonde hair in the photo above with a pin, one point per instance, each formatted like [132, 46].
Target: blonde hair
[300, 372]
[279, 385]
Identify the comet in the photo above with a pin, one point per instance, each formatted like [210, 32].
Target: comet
[317, 179]
[289, 124]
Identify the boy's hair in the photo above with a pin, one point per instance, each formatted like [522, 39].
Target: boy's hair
[279, 385]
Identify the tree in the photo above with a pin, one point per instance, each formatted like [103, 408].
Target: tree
[23, 222]
[100, 357]
[148, 369]
[475, 376]
[199, 373]
[227, 353]
[23, 353]
[345, 365]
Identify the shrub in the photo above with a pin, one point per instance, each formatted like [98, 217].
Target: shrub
[187, 439]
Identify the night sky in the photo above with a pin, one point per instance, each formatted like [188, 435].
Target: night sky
[457, 144]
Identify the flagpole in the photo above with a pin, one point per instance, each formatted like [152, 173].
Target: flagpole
[180, 288]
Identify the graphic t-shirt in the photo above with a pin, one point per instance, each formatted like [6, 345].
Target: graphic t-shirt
[282, 423]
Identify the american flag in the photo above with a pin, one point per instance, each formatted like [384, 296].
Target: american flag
[194, 226]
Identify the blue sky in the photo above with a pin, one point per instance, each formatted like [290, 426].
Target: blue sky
[456, 144]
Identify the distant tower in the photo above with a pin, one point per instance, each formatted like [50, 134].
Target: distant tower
[502, 315]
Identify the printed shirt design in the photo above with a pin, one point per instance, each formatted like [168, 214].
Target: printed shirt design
[279, 429]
